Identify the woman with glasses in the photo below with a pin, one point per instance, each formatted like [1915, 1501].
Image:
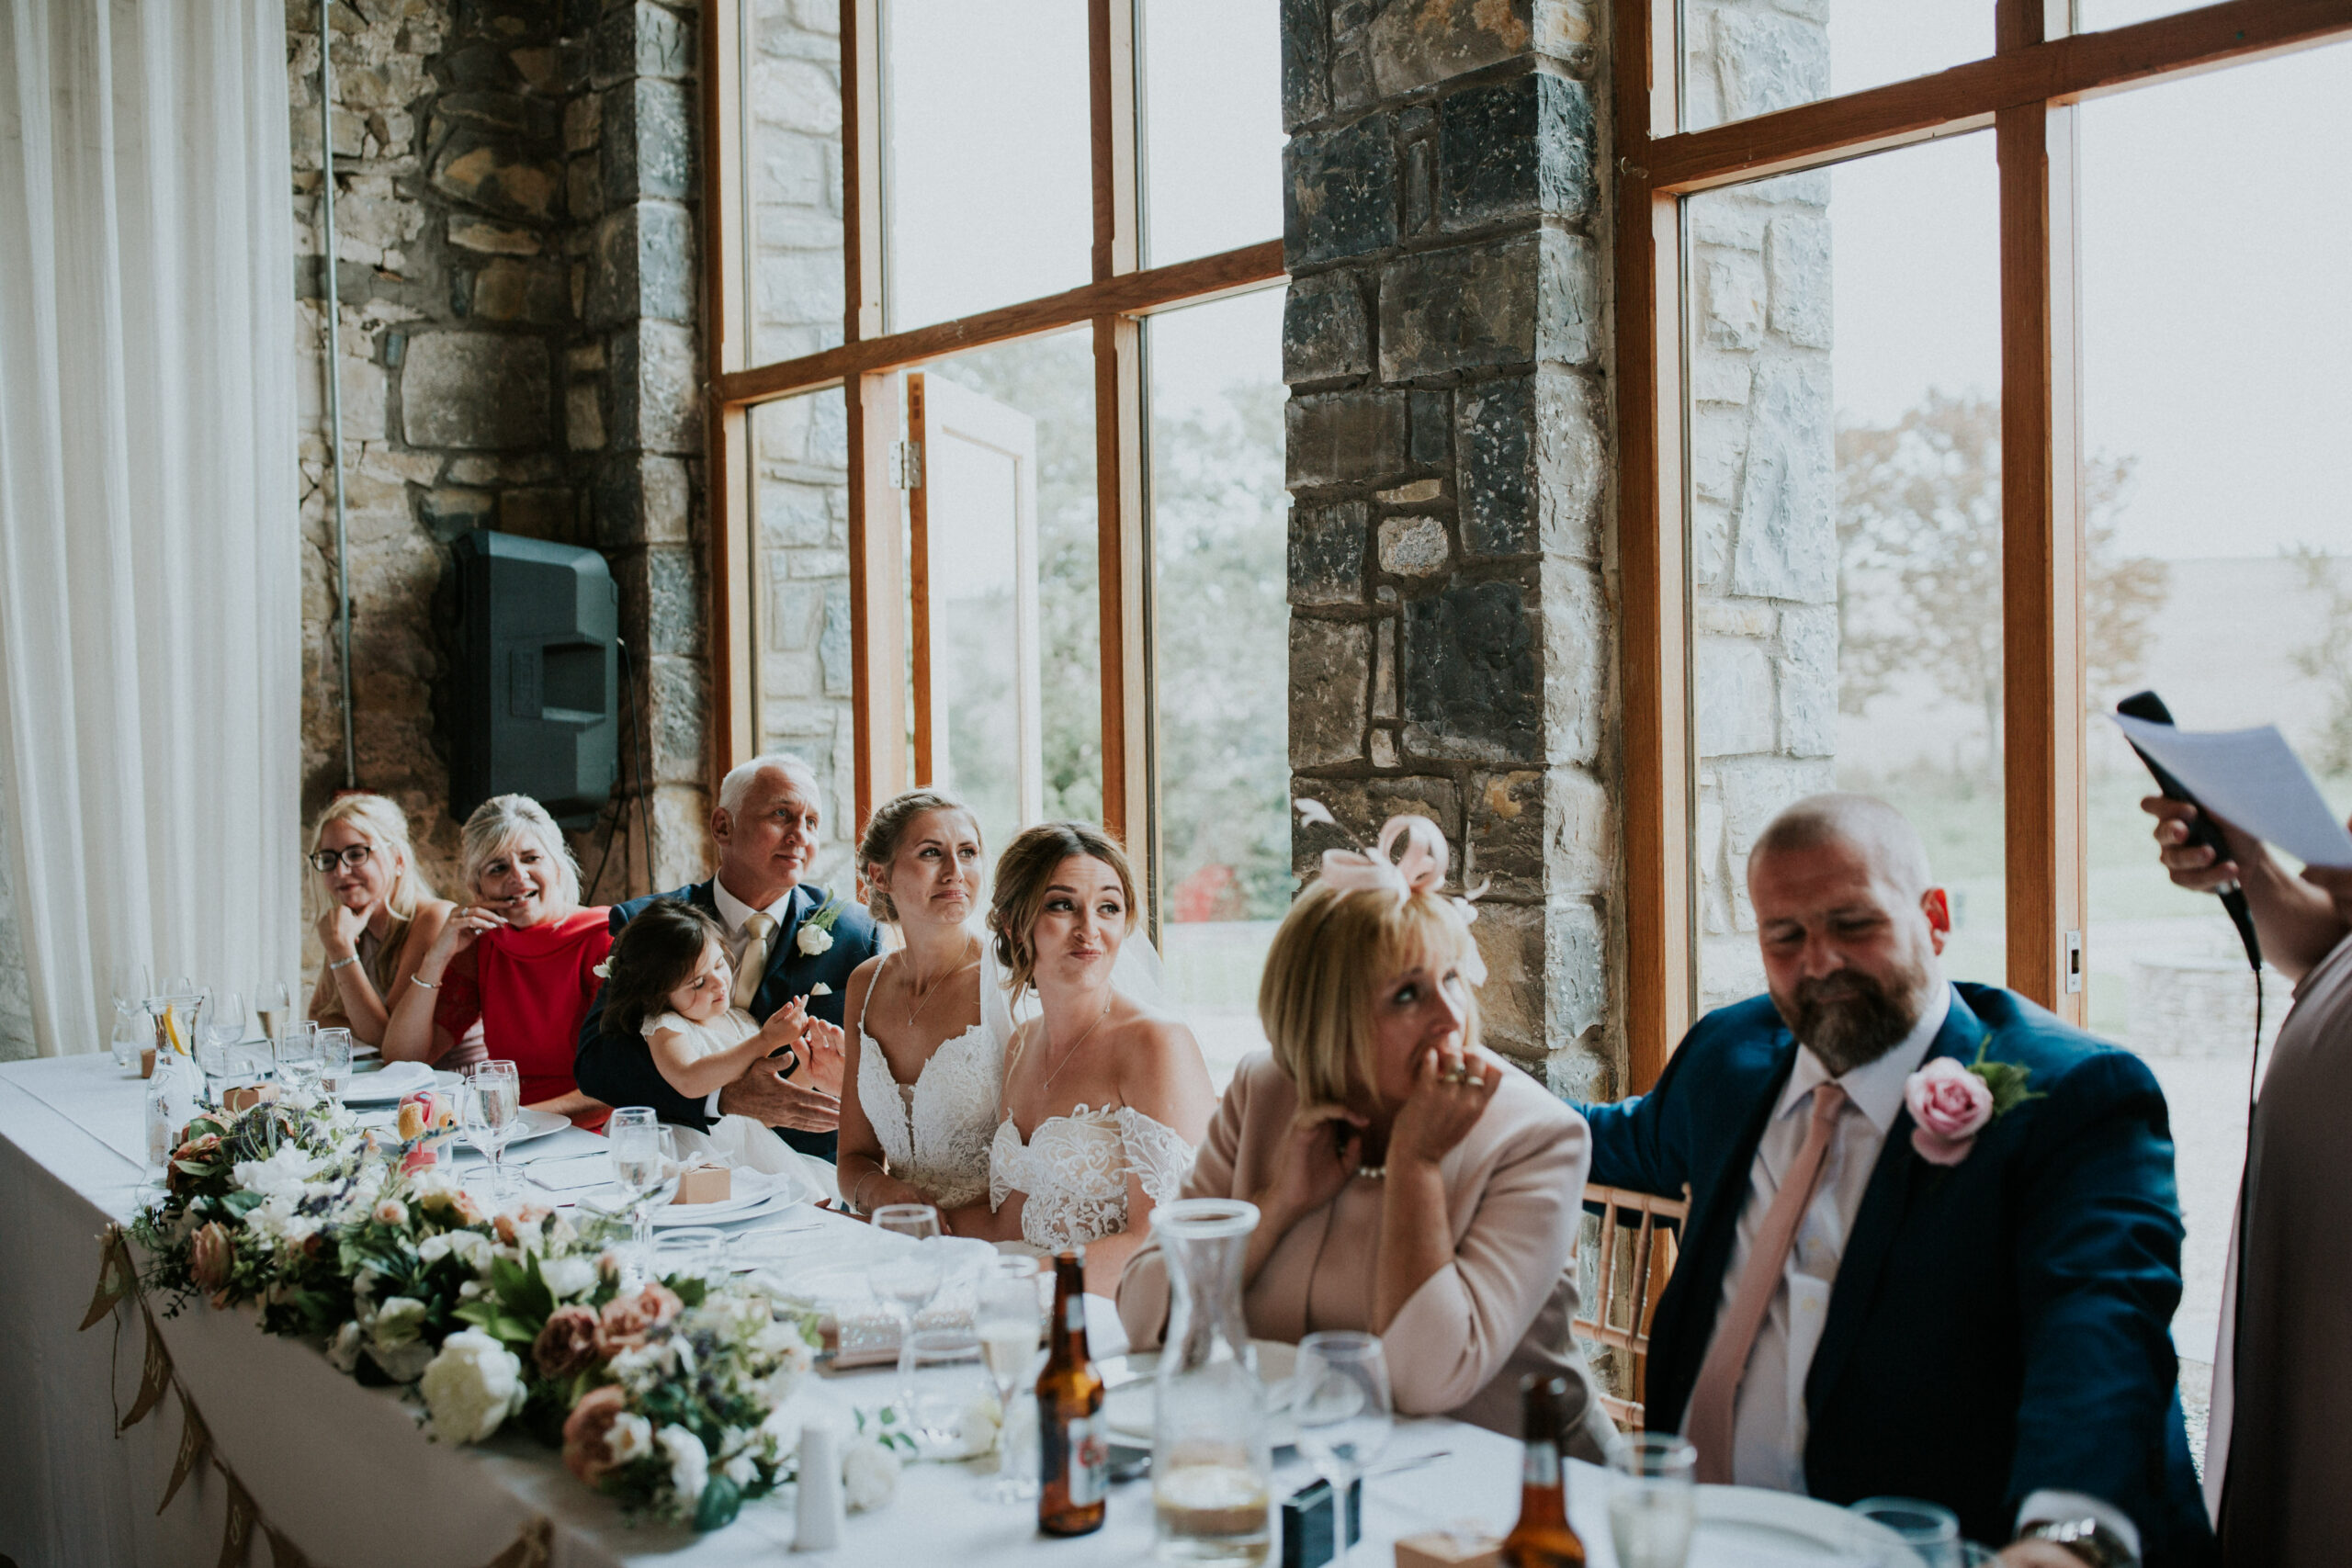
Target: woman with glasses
[377, 916]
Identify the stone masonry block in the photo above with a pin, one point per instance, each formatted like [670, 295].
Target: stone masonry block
[1455, 309]
[648, 147]
[1514, 149]
[488, 171]
[679, 720]
[1339, 192]
[1331, 670]
[1796, 271]
[1575, 969]
[657, 393]
[1327, 333]
[1326, 546]
[644, 266]
[1432, 421]
[676, 607]
[1578, 638]
[1344, 437]
[481, 390]
[1809, 681]
[1787, 542]
[1413, 547]
[1731, 688]
[1513, 1001]
[1414, 43]
[833, 646]
[1532, 464]
[1471, 674]
[1306, 64]
[643, 40]
[1766, 60]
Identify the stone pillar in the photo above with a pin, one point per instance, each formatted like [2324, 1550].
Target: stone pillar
[1451, 645]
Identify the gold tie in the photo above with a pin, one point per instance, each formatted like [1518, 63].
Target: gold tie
[1715, 1396]
[754, 961]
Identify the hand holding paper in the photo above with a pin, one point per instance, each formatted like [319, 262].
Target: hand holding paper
[2251, 779]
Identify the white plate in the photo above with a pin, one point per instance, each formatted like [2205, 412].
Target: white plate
[537, 1124]
[399, 1080]
[754, 1193]
[1749, 1524]
[1127, 1409]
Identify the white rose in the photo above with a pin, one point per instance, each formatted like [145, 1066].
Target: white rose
[741, 1469]
[568, 1277]
[471, 1387]
[343, 1350]
[869, 1476]
[398, 1321]
[435, 1247]
[977, 1426]
[813, 941]
[402, 1363]
[689, 1465]
[629, 1436]
[471, 1248]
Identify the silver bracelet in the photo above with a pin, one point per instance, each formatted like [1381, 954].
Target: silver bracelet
[335, 964]
[421, 980]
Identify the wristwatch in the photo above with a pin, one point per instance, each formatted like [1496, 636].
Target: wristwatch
[2086, 1538]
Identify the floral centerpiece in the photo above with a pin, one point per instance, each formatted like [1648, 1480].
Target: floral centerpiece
[661, 1394]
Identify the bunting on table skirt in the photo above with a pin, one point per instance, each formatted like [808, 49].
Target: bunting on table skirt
[119, 1282]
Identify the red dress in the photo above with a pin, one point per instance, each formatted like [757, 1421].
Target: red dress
[531, 987]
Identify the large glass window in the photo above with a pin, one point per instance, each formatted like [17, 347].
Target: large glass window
[1844, 524]
[792, 200]
[1210, 82]
[1744, 58]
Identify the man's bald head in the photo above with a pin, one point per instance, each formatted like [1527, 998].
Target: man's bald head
[1868, 825]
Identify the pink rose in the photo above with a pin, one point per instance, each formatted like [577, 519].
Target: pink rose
[1951, 1105]
[210, 1257]
[567, 1344]
[390, 1211]
[586, 1451]
[628, 1320]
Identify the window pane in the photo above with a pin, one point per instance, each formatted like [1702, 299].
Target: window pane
[1221, 645]
[1844, 524]
[1743, 57]
[792, 180]
[989, 174]
[800, 629]
[1037, 394]
[1211, 126]
[2217, 536]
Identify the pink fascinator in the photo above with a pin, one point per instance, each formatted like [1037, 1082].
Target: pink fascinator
[1419, 868]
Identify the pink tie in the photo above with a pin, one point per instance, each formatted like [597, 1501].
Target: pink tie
[1713, 1397]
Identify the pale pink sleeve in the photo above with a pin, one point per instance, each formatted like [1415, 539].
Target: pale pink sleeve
[1143, 1284]
[1461, 1326]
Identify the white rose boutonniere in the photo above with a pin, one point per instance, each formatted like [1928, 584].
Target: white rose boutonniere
[471, 1387]
[815, 936]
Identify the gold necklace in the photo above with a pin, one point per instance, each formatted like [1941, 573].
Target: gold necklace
[1083, 1035]
[926, 995]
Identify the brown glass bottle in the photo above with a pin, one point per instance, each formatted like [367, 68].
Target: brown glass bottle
[1074, 1452]
[1541, 1538]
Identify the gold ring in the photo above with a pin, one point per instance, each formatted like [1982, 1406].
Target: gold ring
[1476, 1080]
[1451, 1075]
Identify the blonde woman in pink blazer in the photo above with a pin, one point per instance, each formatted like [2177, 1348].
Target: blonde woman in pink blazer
[1409, 1182]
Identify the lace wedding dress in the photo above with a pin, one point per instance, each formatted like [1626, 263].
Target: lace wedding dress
[935, 1131]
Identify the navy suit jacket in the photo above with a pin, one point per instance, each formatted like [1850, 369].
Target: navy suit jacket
[618, 1069]
[1996, 1326]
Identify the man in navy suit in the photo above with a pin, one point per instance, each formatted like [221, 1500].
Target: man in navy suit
[765, 826]
[1981, 1320]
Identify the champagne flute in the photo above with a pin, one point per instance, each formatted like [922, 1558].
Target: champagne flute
[331, 1058]
[493, 1107]
[644, 1164]
[1652, 1499]
[1010, 1323]
[908, 1277]
[1345, 1415]
[275, 1002]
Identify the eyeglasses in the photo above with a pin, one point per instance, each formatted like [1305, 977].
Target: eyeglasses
[351, 855]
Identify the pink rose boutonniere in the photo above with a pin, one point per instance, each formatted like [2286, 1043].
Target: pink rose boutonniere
[1951, 1103]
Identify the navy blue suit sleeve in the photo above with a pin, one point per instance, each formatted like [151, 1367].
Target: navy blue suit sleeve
[2098, 1276]
[618, 1069]
[1641, 1143]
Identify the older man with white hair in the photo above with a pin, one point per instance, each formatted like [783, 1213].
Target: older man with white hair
[789, 941]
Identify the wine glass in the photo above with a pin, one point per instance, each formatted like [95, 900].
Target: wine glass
[645, 1159]
[274, 1001]
[492, 1107]
[1928, 1533]
[1010, 1323]
[1653, 1498]
[1340, 1393]
[907, 1278]
[332, 1055]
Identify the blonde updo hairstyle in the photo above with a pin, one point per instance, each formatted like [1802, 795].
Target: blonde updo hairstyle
[1022, 876]
[887, 829]
[1333, 953]
[385, 826]
[503, 821]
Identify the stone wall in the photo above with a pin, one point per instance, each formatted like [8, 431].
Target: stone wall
[516, 212]
[1451, 650]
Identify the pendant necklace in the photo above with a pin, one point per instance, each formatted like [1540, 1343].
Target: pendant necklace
[926, 995]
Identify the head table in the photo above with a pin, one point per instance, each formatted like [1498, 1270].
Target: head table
[345, 1473]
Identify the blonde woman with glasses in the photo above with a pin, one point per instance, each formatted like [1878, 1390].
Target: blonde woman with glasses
[380, 915]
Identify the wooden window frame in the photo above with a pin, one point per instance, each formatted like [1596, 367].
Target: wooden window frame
[2025, 92]
[1119, 293]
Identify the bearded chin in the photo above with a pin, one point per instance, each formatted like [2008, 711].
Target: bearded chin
[1850, 1019]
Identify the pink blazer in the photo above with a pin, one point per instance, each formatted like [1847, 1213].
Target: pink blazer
[1513, 1189]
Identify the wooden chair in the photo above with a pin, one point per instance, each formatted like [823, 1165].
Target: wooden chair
[1652, 1266]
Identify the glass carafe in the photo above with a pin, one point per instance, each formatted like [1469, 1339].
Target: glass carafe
[1211, 1464]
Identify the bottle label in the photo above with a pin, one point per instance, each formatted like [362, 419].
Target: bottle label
[1089, 1462]
[1541, 1464]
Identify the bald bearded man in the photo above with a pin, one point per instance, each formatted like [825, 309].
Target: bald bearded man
[1978, 1316]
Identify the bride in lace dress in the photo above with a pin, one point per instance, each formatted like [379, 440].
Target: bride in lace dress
[926, 1070]
[1105, 1098]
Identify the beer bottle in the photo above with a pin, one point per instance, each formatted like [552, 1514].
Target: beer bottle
[1541, 1538]
[1074, 1452]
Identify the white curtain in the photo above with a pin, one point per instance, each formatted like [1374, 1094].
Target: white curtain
[150, 609]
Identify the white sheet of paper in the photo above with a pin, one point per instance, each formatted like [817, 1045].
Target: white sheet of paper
[2251, 778]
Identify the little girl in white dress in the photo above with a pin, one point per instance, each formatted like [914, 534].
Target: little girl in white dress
[668, 977]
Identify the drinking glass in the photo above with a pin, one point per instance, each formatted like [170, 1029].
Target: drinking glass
[1010, 1323]
[907, 1278]
[490, 1108]
[689, 1250]
[296, 1055]
[331, 1048]
[1652, 1499]
[1928, 1533]
[943, 1363]
[275, 1002]
[645, 1159]
[184, 1008]
[1340, 1393]
[129, 987]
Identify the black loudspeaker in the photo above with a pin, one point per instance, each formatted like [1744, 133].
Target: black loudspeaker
[537, 677]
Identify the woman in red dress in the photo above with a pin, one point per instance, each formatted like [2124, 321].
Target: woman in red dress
[521, 958]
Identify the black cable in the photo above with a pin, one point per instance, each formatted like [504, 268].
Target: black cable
[620, 806]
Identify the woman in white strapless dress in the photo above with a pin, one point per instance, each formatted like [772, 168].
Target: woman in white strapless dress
[924, 1069]
[1105, 1098]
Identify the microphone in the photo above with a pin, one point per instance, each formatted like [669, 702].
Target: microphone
[2150, 707]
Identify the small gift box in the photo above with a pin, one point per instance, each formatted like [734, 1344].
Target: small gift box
[248, 1096]
[1449, 1549]
[1313, 1524]
[706, 1184]
[147, 1060]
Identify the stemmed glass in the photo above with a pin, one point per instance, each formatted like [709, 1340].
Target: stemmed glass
[645, 1160]
[275, 1002]
[908, 1277]
[1010, 1322]
[491, 1107]
[223, 1030]
[1652, 1499]
[129, 988]
[1341, 1397]
[332, 1054]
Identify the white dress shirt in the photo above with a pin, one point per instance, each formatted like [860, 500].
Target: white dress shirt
[733, 917]
[1768, 1422]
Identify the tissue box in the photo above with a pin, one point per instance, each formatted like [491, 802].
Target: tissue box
[1439, 1549]
[706, 1184]
[245, 1099]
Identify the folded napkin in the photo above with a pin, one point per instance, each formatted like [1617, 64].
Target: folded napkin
[394, 1082]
